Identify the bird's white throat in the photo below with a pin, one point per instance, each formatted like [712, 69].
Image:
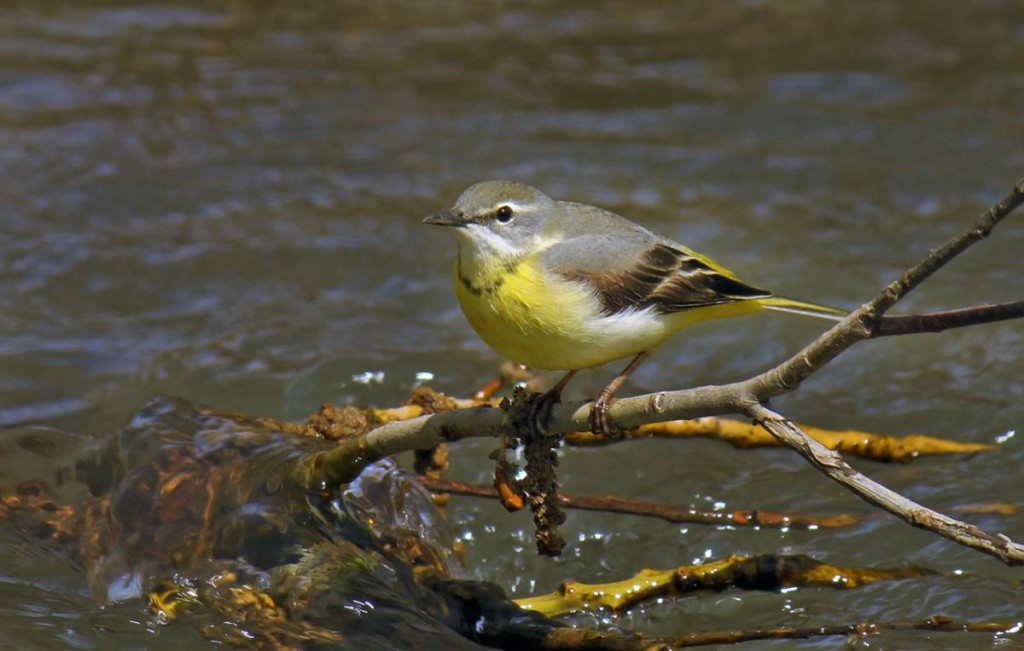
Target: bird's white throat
[484, 253]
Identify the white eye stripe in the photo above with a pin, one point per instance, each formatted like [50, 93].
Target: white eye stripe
[516, 207]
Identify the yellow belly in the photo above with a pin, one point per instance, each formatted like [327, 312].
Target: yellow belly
[547, 322]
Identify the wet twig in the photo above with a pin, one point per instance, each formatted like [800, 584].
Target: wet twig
[667, 512]
[759, 572]
[877, 447]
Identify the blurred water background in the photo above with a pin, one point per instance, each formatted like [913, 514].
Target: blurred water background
[222, 201]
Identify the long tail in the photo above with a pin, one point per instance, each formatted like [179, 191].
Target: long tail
[782, 304]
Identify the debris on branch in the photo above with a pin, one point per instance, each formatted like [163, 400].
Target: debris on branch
[539, 486]
[337, 423]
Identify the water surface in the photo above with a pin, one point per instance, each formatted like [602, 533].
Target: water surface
[221, 201]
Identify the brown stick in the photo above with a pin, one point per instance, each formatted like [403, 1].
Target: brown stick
[908, 324]
[669, 513]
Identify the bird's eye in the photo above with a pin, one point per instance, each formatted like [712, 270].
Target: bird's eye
[503, 214]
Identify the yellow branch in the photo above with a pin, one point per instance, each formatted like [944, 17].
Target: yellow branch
[769, 571]
[878, 447]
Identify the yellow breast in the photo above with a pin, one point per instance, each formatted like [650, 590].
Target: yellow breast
[545, 321]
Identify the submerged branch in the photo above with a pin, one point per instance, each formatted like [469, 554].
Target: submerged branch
[761, 572]
[877, 447]
[344, 462]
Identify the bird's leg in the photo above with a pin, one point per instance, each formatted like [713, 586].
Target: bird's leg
[542, 406]
[599, 422]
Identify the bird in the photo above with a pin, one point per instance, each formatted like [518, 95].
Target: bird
[566, 286]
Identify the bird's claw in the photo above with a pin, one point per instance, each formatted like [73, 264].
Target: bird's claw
[600, 423]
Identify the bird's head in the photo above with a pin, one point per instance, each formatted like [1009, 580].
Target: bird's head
[501, 220]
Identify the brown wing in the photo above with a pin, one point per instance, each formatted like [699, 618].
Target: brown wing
[666, 279]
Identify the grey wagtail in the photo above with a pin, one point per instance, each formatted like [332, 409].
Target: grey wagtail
[560, 285]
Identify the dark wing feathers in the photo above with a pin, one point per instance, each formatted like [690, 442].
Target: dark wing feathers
[668, 280]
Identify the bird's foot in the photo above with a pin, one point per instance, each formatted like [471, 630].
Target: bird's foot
[540, 410]
[600, 423]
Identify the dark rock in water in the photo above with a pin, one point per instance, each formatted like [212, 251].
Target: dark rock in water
[208, 516]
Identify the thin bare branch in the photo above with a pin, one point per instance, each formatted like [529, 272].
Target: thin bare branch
[667, 512]
[832, 464]
[953, 247]
[909, 324]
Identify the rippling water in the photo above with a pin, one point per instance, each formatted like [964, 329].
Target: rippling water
[222, 201]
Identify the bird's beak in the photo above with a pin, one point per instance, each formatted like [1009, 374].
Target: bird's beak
[446, 218]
